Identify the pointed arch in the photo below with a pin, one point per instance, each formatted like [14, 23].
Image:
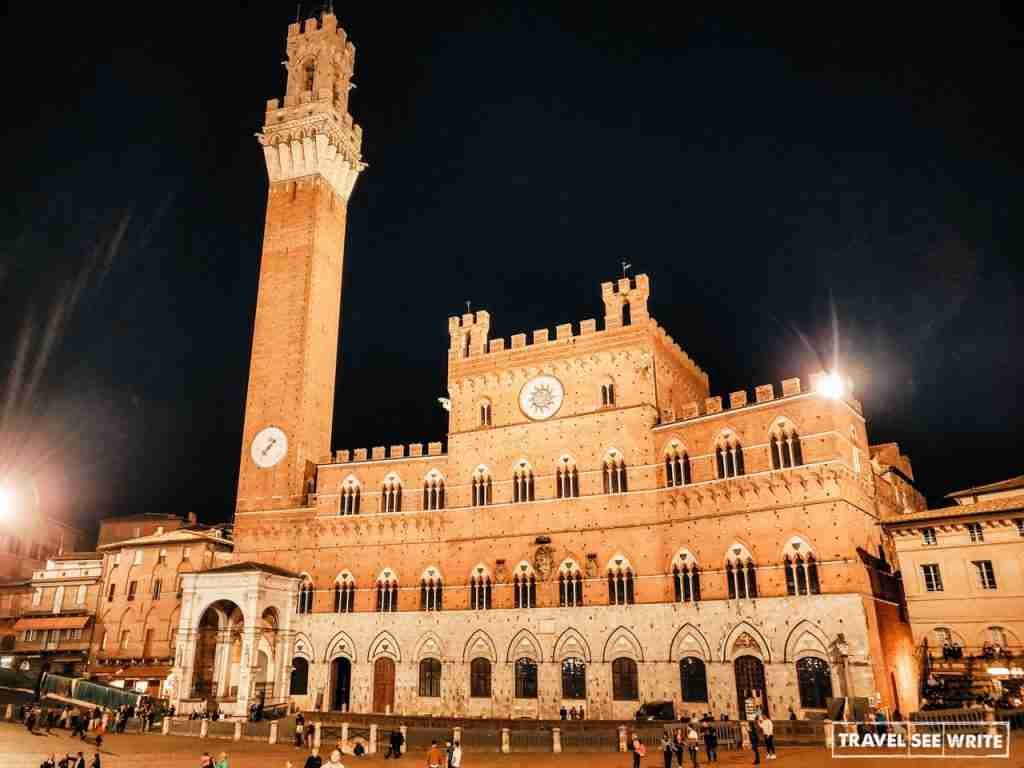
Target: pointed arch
[758, 643]
[524, 644]
[689, 641]
[622, 642]
[479, 645]
[384, 645]
[430, 646]
[350, 495]
[304, 646]
[340, 646]
[805, 636]
[571, 644]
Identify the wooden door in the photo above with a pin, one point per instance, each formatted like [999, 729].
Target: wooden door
[750, 683]
[383, 685]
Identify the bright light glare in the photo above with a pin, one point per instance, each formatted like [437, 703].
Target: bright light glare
[6, 503]
[831, 386]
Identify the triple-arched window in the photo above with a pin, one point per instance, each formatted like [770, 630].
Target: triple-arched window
[480, 589]
[433, 491]
[481, 483]
[784, 445]
[387, 592]
[728, 456]
[614, 473]
[350, 497]
[524, 587]
[391, 494]
[522, 483]
[677, 465]
[620, 582]
[431, 590]
[345, 594]
[686, 578]
[567, 479]
[740, 573]
[570, 585]
[801, 569]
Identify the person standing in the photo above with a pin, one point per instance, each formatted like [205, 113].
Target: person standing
[678, 746]
[79, 760]
[335, 761]
[300, 729]
[768, 729]
[666, 748]
[313, 761]
[639, 750]
[455, 756]
[206, 761]
[755, 740]
[222, 760]
[95, 761]
[710, 741]
[692, 744]
[434, 756]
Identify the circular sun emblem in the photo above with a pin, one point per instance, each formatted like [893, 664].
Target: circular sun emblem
[541, 397]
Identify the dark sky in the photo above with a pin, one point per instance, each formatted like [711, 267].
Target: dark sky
[761, 169]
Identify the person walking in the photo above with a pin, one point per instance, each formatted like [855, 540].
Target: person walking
[692, 744]
[394, 745]
[768, 729]
[710, 740]
[755, 740]
[310, 733]
[455, 756]
[222, 760]
[666, 748]
[206, 761]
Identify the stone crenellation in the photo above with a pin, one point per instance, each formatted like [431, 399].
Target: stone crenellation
[470, 332]
[380, 453]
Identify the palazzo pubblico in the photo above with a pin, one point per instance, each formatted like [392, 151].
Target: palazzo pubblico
[598, 531]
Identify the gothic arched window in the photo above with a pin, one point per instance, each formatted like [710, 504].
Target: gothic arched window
[344, 593]
[620, 582]
[570, 585]
[677, 465]
[614, 473]
[430, 678]
[387, 593]
[801, 569]
[391, 494]
[728, 456]
[784, 446]
[625, 685]
[686, 578]
[480, 589]
[433, 491]
[481, 483]
[814, 679]
[350, 497]
[567, 479]
[305, 595]
[522, 483]
[524, 587]
[484, 413]
[574, 679]
[431, 590]
[526, 678]
[740, 573]
[480, 678]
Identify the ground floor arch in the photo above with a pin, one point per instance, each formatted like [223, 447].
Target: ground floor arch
[341, 684]
[218, 651]
[383, 685]
[750, 685]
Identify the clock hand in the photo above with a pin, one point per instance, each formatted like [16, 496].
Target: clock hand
[269, 446]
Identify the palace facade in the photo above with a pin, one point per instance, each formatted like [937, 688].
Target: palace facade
[597, 530]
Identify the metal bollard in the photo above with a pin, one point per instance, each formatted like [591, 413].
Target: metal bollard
[372, 750]
[556, 740]
[506, 743]
[273, 732]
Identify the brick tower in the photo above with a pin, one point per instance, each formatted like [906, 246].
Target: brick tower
[312, 150]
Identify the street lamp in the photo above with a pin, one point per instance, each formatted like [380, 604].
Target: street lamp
[6, 503]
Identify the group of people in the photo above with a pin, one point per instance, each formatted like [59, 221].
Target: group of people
[573, 713]
[207, 761]
[687, 740]
[69, 760]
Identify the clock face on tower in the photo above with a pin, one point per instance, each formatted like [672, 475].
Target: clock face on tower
[541, 397]
[269, 447]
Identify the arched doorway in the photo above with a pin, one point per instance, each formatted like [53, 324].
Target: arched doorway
[300, 677]
[341, 684]
[383, 685]
[218, 651]
[750, 684]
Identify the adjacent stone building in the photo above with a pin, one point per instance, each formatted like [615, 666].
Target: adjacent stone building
[598, 529]
[137, 610]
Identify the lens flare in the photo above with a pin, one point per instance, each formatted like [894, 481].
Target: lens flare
[6, 503]
[832, 386]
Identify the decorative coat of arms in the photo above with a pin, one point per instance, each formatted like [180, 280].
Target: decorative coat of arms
[544, 561]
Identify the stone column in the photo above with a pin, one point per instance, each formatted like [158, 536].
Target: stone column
[317, 727]
[506, 742]
[830, 736]
[344, 731]
[204, 728]
[9, 712]
[246, 668]
[745, 733]
[556, 740]
[457, 734]
[273, 732]
[165, 727]
[405, 733]
[373, 739]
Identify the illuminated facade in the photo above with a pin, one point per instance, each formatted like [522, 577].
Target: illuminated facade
[598, 530]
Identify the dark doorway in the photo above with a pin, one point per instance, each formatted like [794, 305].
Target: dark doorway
[750, 684]
[383, 685]
[341, 684]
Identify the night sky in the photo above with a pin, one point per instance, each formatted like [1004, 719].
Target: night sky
[768, 173]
